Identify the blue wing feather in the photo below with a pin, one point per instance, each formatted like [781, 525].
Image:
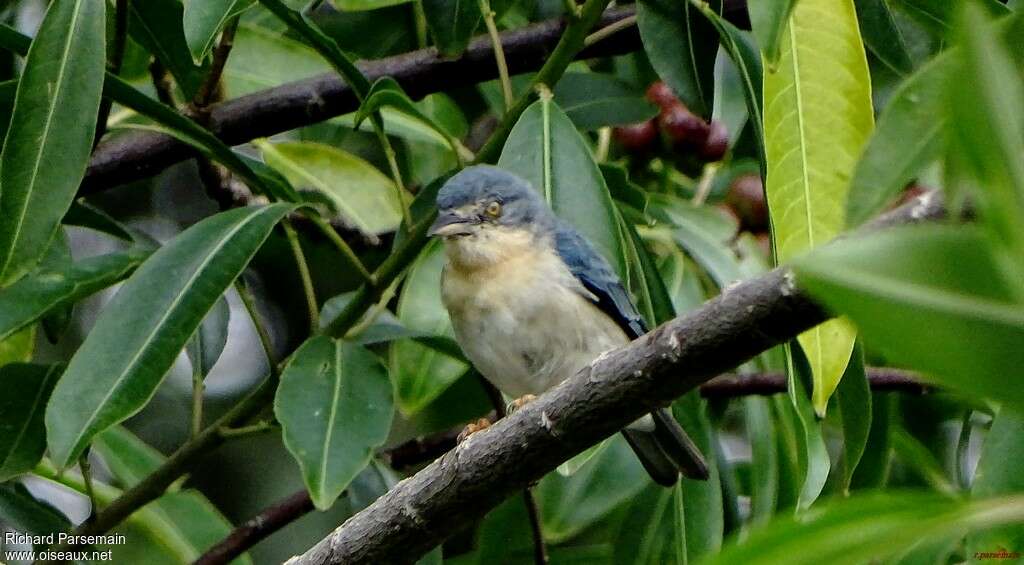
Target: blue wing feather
[598, 277]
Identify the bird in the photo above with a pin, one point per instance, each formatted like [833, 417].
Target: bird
[532, 302]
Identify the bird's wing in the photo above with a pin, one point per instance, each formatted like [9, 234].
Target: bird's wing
[599, 279]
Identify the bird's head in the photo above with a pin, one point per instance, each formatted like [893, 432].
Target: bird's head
[486, 214]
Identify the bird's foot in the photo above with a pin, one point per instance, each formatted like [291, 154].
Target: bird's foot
[472, 428]
[518, 403]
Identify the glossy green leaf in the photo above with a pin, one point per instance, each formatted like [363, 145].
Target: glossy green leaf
[28, 300]
[8, 88]
[764, 458]
[681, 45]
[910, 129]
[85, 215]
[868, 528]
[420, 372]
[22, 432]
[203, 20]
[648, 533]
[768, 19]
[596, 100]
[354, 189]
[943, 278]
[264, 59]
[157, 26]
[704, 233]
[386, 92]
[812, 456]
[545, 148]
[854, 400]
[18, 347]
[50, 133]
[986, 132]
[745, 57]
[451, 24]
[25, 513]
[364, 5]
[207, 343]
[569, 505]
[919, 460]
[998, 473]
[938, 15]
[334, 404]
[141, 331]
[882, 36]
[818, 116]
[873, 471]
[182, 523]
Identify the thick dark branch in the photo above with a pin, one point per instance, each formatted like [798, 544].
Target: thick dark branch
[617, 388]
[138, 155]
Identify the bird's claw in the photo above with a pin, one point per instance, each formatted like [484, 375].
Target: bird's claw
[518, 403]
[472, 428]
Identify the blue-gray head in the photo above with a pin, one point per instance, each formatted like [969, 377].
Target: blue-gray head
[483, 199]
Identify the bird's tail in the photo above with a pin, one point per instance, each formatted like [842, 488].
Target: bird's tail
[666, 450]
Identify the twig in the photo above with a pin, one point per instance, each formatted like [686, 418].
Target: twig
[90, 492]
[341, 245]
[616, 389]
[261, 330]
[210, 89]
[499, 52]
[307, 279]
[268, 521]
[114, 63]
[610, 29]
[163, 85]
[198, 388]
[257, 428]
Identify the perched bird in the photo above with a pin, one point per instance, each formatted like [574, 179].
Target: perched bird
[532, 302]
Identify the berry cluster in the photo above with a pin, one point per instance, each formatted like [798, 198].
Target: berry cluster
[684, 131]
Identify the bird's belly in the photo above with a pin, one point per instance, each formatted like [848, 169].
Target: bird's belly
[526, 336]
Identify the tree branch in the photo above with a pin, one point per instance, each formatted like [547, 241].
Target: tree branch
[257, 528]
[617, 388]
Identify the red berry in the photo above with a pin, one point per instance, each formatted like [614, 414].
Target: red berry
[638, 138]
[716, 144]
[685, 129]
[659, 93]
[746, 198]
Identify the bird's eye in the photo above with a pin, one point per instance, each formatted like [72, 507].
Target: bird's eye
[493, 209]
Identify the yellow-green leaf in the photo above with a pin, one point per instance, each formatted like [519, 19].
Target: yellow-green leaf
[818, 116]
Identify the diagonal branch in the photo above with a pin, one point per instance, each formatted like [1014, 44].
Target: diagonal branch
[617, 388]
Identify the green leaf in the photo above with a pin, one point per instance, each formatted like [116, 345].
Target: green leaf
[883, 37]
[998, 473]
[85, 215]
[207, 343]
[420, 372]
[681, 46]
[141, 331]
[764, 458]
[183, 523]
[744, 55]
[704, 233]
[818, 116]
[812, 456]
[8, 88]
[943, 278]
[263, 59]
[569, 505]
[28, 300]
[854, 400]
[986, 132]
[157, 26]
[768, 19]
[386, 92]
[868, 528]
[910, 129]
[451, 24]
[648, 533]
[203, 20]
[938, 15]
[334, 404]
[18, 347]
[51, 132]
[545, 148]
[917, 458]
[25, 513]
[873, 470]
[22, 433]
[596, 100]
[360, 194]
[364, 5]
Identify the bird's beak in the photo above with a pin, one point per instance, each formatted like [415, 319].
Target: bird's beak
[449, 224]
